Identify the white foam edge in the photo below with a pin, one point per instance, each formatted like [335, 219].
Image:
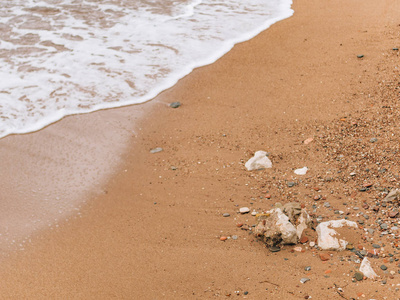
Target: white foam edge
[173, 79]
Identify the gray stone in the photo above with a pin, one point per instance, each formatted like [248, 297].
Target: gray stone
[304, 279]
[274, 249]
[358, 276]
[175, 104]
[156, 150]
[234, 237]
[308, 268]
[226, 215]
[291, 184]
[373, 140]
[383, 267]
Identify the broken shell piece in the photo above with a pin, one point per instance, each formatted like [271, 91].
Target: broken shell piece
[366, 269]
[302, 171]
[326, 234]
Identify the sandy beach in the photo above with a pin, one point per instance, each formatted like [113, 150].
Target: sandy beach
[148, 225]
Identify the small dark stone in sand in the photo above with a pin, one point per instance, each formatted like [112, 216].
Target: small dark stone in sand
[395, 49]
[246, 293]
[175, 104]
[363, 189]
[358, 276]
[226, 215]
[376, 246]
[360, 56]
[383, 267]
[291, 184]
[308, 268]
[373, 140]
[274, 249]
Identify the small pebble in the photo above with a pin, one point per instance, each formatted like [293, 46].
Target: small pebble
[223, 238]
[358, 276]
[373, 140]
[156, 150]
[226, 215]
[234, 237]
[244, 210]
[308, 268]
[274, 249]
[324, 256]
[291, 184]
[383, 267]
[360, 56]
[304, 279]
[175, 104]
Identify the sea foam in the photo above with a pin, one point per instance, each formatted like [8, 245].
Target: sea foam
[63, 57]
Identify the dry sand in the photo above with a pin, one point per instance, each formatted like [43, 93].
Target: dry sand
[152, 229]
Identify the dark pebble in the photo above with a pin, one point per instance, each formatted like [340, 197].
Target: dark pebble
[376, 246]
[383, 267]
[291, 184]
[246, 293]
[308, 268]
[395, 49]
[175, 104]
[358, 276]
[274, 249]
[363, 189]
[360, 56]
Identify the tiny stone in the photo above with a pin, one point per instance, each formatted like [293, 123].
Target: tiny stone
[324, 256]
[376, 246]
[234, 237]
[304, 279]
[246, 293]
[244, 210]
[175, 104]
[360, 56]
[383, 267]
[291, 184]
[358, 276]
[373, 140]
[156, 150]
[384, 226]
[226, 215]
[327, 204]
[308, 268]
[274, 249]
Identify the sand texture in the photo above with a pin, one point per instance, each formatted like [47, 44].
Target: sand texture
[148, 225]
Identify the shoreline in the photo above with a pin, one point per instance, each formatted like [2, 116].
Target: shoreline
[154, 230]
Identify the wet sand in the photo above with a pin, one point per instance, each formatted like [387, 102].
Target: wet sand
[149, 224]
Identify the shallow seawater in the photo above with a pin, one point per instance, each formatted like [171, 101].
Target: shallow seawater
[63, 57]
